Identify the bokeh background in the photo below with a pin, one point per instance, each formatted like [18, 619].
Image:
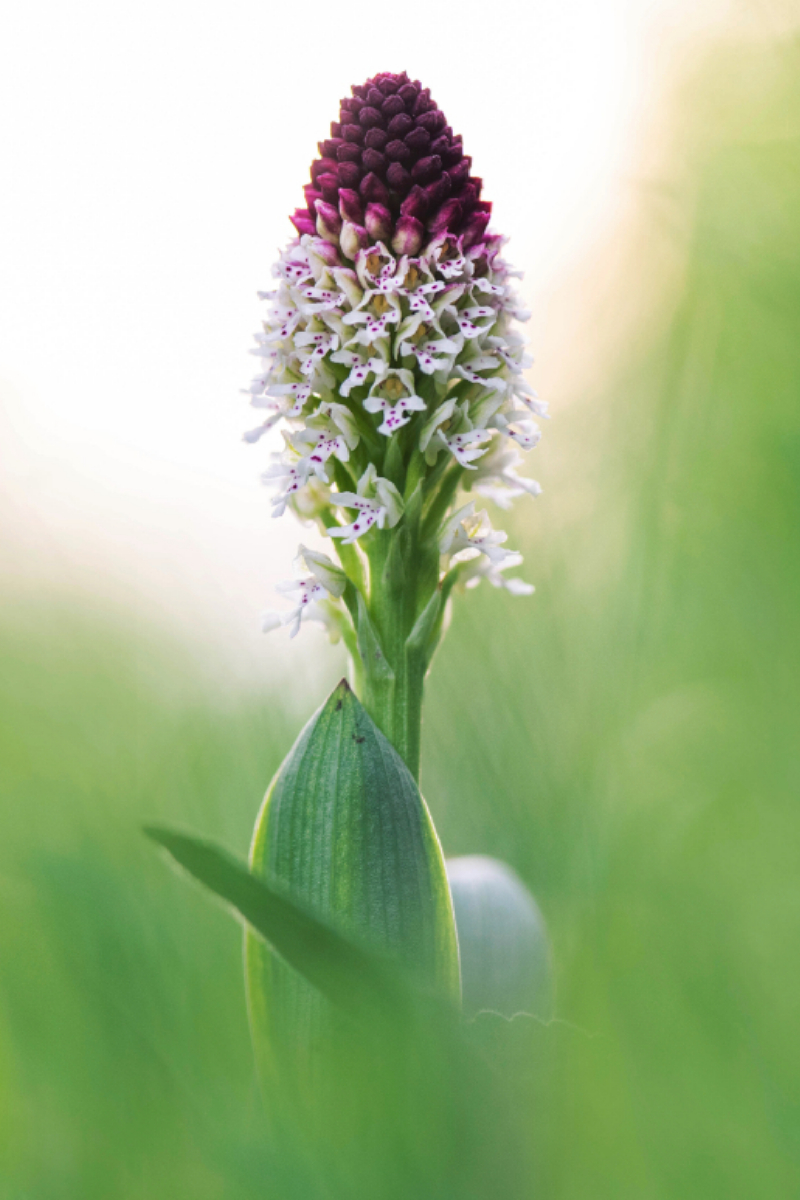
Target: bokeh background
[627, 738]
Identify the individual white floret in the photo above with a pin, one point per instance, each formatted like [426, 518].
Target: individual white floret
[496, 478]
[324, 580]
[468, 534]
[378, 502]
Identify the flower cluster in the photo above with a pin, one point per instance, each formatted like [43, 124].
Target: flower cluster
[391, 355]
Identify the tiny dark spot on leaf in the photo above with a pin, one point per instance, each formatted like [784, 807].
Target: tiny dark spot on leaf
[338, 705]
[358, 740]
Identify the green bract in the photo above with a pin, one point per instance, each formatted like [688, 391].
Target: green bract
[345, 829]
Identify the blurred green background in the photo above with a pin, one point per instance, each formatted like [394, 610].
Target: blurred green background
[627, 740]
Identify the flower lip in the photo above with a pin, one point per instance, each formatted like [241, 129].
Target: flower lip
[392, 147]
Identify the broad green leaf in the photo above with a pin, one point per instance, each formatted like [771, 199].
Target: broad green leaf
[350, 977]
[505, 954]
[345, 829]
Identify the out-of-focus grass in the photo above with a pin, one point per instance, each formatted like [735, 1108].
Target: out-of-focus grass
[638, 750]
[125, 1058]
[627, 740]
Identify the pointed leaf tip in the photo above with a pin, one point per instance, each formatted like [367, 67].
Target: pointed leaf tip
[345, 828]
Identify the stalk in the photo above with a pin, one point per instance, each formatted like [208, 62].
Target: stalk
[396, 709]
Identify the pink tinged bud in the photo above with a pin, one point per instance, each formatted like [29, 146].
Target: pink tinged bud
[353, 133]
[372, 188]
[475, 228]
[468, 196]
[427, 169]
[374, 160]
[302, 221]
[452, 155]
[448, 217]
[415, 204]
[398, 178]
[436, 193]
[429, 121]
[329, 186]
[323, 166]
[408, 236]
[398, 151]
[369, 117]
[376, 139]
[348, 175]
[459, 173]
[423, 102]
[353, 238]
[350, 206]
[392, 106]
[419, 140]
[329, 223]
[348, 152]
[312, 196]
[400, 125]
[379, 222]
[328, 253]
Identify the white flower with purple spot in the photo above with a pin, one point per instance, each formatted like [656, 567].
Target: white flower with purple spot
[394, 396]
[378, 503]
[468, 534]
[324, 581]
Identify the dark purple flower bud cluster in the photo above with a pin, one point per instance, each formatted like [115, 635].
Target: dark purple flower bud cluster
[392, 171]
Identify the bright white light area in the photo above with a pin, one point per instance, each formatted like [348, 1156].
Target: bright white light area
[152, 151]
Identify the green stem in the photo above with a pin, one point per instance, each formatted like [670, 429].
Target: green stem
[394, 676]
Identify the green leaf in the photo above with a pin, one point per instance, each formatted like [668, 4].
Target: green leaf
[505, 953]
[350, 976]
[345, 828]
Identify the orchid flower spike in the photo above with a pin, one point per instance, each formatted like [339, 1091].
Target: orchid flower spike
[392, 361]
